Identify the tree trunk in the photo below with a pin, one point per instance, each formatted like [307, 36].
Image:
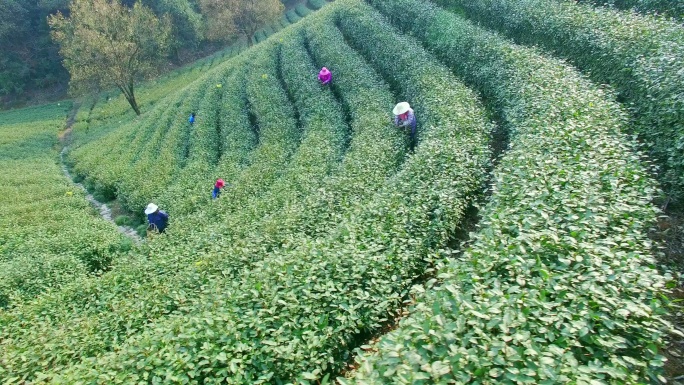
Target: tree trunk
[129, 94]
[133, 104]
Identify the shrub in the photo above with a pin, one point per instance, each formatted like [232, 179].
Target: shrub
[639, 56]
[123, 220]
[100, 197]
[141, 230]
[348, 282]
[49, 236]
[558, 284]
[292, 16]
[259, 36]
[268, 30]
[316, 4]
[666, 8]
[284, 21]
[302, 10]
[78, 178]
[28, 275]
[275, 26]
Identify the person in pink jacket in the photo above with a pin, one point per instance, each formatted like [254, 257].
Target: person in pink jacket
[325, 76]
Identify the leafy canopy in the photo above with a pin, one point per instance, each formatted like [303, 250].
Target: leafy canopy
[228, 19]
[105, 44]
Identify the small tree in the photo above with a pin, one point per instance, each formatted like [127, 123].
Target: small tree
[105, 44]
[228, 19]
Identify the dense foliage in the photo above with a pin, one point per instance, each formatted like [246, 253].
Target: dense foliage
[228, 19]
[311, 299]
[537, 298]
[329, 224]
[30, 61]
[48, 234]
[666, 8]
[639, 56]
[105, 44]
[28, 58]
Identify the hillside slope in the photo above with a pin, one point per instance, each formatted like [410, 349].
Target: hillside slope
[331, 225]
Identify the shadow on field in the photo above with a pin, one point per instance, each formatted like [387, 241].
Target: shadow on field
[669, 238]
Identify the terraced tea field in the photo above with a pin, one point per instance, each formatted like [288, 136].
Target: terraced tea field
[512, 246]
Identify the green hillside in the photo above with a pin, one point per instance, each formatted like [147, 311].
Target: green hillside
[49, 234]
[512, 246]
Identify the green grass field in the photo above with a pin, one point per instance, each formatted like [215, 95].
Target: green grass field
[512, 246]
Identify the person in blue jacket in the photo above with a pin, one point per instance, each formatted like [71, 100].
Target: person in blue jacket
[191, 119]
[158, 219]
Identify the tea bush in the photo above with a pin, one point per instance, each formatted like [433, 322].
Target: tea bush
[302, 10]
[308, 302]
[292, 16]
[665, 8]
[316, 4]
[328, 222]
[558, 284]
[639, 56]
[122, 220]
[49, 235]
[260, 36]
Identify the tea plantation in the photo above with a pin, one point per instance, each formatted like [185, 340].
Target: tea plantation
[512, 246]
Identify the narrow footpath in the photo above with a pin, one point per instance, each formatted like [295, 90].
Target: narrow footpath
[105, 211]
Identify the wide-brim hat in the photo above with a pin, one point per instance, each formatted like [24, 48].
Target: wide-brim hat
[324, 71]
[151, 208]
[401, 108]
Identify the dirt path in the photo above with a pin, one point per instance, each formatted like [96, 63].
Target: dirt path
[105, 211]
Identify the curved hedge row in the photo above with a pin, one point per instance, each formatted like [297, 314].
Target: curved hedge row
[557, 286]
[137, 160]
[126, 165]
[292, 16]
[188, 188]
[302, 10]
[667, 8]
[316, 4]
[375, 150]
[107, 160]
[133, 175]
[373, 155]
[294, 315]
[205, 138]
[110, 144]
[49, 235]
[279, 135]
[322, 145]
[161, 173]
[238, 137]
[260, 36]
[157, 167]
[640, 56]
[144, 290]
[284, 21]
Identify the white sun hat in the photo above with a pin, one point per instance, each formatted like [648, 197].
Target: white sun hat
[151, 208]
[401, 108]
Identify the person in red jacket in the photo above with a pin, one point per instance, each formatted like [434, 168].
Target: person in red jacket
[217, 188]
